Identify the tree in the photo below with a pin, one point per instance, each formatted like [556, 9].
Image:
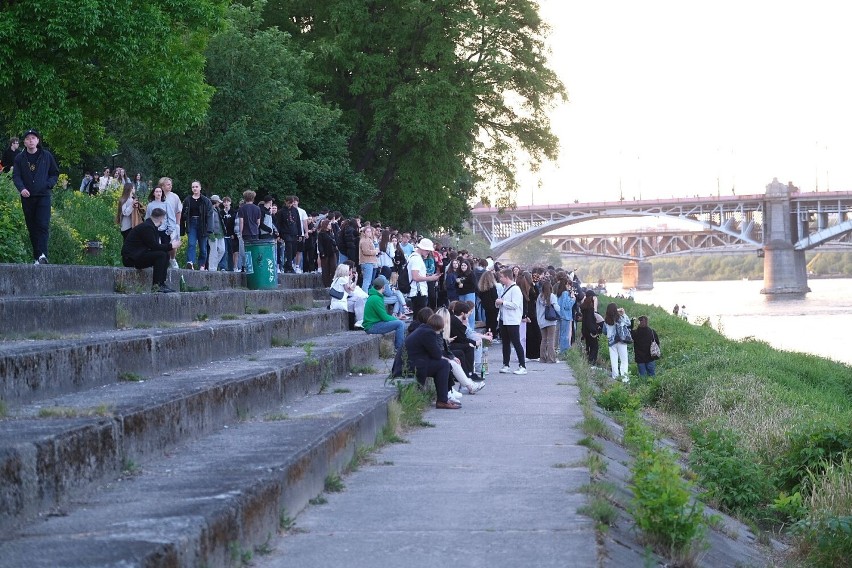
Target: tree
[66, 68]
[536, 252]
[265, 130]
[440, 96]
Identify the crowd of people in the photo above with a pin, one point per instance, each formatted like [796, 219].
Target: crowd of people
[381, 276]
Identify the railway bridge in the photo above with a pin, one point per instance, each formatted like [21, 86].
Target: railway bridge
[780, 225]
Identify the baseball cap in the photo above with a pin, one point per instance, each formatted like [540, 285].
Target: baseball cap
[32, 131]
[215, 198]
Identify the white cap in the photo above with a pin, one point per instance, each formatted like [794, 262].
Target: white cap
[426, 244]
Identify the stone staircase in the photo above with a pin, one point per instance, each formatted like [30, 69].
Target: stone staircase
[181, 429]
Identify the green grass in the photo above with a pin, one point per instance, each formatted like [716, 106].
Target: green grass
[333, 483]
[341, 391]
[130, 377]
[281, 342]
[363, 370]
[766, 425]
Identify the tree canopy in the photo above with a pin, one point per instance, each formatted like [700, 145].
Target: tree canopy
[265, 129]
[440, 96]
[69, 67]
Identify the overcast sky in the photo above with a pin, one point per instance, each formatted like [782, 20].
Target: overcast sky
[668, 96]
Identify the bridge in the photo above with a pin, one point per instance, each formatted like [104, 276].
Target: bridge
[781, 224]
[649, 243]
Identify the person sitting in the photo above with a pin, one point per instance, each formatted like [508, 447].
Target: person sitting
[376, 318]
[144, 248]
[427, 360]
[461, 374]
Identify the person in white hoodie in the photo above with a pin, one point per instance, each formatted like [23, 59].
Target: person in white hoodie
[511, 304]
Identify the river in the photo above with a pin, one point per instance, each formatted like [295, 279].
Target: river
[820, 323]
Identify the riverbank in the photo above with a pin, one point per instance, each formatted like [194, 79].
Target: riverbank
[768, 432]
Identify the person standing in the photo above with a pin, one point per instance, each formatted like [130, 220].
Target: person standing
[144, 248]
[549, 328]
[172, 199]
[216, 237]
[614, 319]
[591, 327]
[9, 154]
[643, 336]
[35, 173]
[228, 224]
[199, 214]
[327, 252]
[419, 293]
[511, 305]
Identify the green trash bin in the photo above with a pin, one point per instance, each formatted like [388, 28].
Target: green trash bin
[264, 275]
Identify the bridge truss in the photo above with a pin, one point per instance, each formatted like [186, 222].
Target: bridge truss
[728, 222]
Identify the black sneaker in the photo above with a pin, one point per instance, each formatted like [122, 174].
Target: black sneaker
[476, 378]
[42, 259]
[164, 289]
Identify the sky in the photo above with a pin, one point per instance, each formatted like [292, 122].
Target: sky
[689, 98]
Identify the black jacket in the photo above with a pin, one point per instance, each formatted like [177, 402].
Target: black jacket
[144, 238]
[642, 338]
[327, 246]
[458, 330]
[40, 181]
[205, 219]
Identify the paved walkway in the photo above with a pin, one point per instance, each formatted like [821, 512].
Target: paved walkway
[494, 484]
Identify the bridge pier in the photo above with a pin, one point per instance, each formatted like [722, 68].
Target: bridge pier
[784, 267]
[637, 274]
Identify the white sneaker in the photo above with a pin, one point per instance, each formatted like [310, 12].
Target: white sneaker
[173, 263]
[476, 387]
[359, 324]
[505, 369]
[454, 396]
[521, 371]
[625, 379]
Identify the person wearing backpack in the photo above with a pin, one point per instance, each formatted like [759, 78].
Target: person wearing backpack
[617, 331]
[644, 351]
[419, 290]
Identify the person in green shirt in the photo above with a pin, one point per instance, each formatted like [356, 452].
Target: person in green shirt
[376, 318]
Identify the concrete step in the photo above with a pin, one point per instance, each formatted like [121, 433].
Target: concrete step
[62, 279]
[45, 461]
[30, 370]
[21, 316]
[213, 501]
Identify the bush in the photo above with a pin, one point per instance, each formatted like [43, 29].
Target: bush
[617, 398]
[811, 447]
[662, 507]
[76, 218]
[729, 473]
[824, 537]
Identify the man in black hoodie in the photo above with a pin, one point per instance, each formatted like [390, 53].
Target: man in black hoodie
[144, 248]
[34, 174]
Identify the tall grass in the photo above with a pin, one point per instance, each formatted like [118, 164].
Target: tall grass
[788, 416]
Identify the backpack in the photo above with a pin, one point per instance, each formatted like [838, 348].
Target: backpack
[403, 282]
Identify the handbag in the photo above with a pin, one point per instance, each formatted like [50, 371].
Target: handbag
[336, 294]
[550, 313]
[655, 348]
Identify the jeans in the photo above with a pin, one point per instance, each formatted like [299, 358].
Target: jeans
[472, 299]
[194, 235]
[367, 271]
[648, 368]
[397, 326]
[565, 333]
